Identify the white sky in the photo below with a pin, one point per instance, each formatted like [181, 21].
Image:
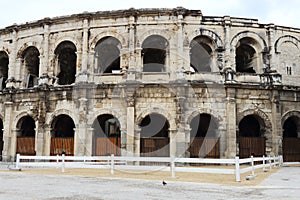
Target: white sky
[279, 12]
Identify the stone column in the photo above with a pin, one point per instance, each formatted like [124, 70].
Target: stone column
[47, 141]
[231, 143]
[130, 139]
[137, 141]
[43, 72]
[11, 80]
[83, 74]
[173, 142]
[89, 141]
[7, 132]
[131, 55]
[276, 141]
[81, 131]
[228, 57]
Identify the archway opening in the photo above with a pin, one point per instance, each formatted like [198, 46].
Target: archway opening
[251, 137]
[26, 136]
[154, 53]
[201, 54]
[62, 132]
[291, 139]
[246, 57]
[154, 136]
[107, 55]
[31, 62]
[3, 69]
[66, 58]
[204, 140]
[106, 136]
[1, 138]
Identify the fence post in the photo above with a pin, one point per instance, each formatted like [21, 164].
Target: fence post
[18, 161]
[112, 164]
[264, 163]
[270, 162]
[281, 160]
[237, 170]
[63, 163]
[57, 161]
[252, 164]
[173, 167]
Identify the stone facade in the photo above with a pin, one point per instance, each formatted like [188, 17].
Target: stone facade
[98, 64]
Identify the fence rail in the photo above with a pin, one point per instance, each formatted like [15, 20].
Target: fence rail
[132, 163]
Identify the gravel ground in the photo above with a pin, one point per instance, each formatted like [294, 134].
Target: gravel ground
[282, 184]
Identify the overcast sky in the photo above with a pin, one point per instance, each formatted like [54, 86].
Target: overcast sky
[279, 12]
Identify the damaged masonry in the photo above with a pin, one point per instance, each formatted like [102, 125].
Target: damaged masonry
[150, 82]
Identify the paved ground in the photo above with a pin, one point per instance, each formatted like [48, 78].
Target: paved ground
[284, 184]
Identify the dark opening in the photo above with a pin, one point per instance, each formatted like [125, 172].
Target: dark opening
[107, 53]
[290, 127]
[63, 126]
[245, 58]
[203, 125]
[200, 54]
[154, 53]
[4, 61]
[250, 127]
[106, 126]
[154, 125]
[26, 126]
[1, 138]
[32, 61]
[66, 54]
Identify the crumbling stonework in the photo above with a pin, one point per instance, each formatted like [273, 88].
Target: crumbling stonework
[68, 74]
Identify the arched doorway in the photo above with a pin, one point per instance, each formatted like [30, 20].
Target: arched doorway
[201, 54]
[247, 56]
[26, 136]
[154, 53]
[62, 136]
[154, 137]
[107, 55]
[66, 57]
[106, 136]
[4, 61]
[31, 62]
[291, 139]
[204, 140]
[251, 137]
[1, 138]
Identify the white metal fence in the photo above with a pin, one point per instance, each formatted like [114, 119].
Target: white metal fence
[168, 163]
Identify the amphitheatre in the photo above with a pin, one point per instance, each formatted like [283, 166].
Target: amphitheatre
[150, 82]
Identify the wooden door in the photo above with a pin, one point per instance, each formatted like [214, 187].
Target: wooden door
[60, 145]
[291, 149]
[255, 146]
[201, 147]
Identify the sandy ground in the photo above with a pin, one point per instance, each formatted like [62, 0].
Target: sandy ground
[161, 175]
[92, 184]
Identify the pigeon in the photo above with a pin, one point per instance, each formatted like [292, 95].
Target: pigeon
[164, 183]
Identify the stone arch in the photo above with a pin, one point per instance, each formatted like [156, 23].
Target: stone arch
[203, 111]
[286, 38]
[155, 50]
[21, 115]
[101, 35]
[60, 40]
[263, 116]
[107, 56]
[62, 112]
[66, 62]
[117, 114]
[288, 114]
[24, 46]
[158, 110]
[159, 32]
[218, 43]
[250, 51]
[249, 34]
